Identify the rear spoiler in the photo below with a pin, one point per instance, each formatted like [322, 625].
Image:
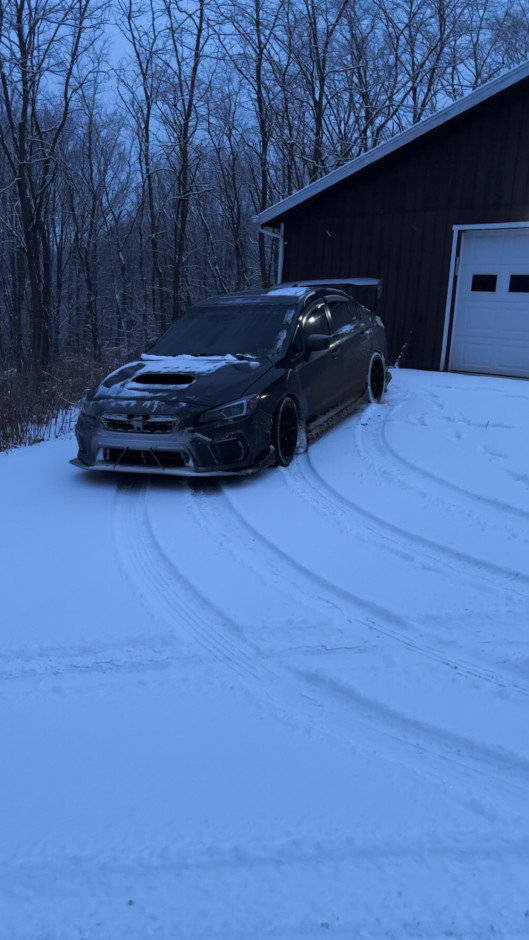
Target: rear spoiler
[338, 282]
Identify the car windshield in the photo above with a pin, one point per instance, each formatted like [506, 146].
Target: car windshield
[242, 328]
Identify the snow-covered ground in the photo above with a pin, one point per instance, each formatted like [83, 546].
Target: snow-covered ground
[293, 706]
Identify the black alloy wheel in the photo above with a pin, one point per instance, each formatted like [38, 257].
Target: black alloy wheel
[285, 432]
[376, 379]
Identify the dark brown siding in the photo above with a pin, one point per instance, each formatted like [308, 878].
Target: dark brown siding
[394, 218]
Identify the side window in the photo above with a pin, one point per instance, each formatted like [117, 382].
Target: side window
[344, 313]
[316, 321]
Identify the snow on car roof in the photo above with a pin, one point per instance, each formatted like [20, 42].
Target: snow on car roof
[287, 291]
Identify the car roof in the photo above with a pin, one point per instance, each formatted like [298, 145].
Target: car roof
[259, 295]
[280, 292]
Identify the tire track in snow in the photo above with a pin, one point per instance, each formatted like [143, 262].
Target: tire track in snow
[175, 856]
[155, 575]
[172, 597]
[414, 731]
[386, 447]
[53, 662]
[365, 614]
[375, 433]
[380, 719]
[442, 556]
[377, 453]
[307, 485]
[492, 581]
[233, 536]
[324, 497]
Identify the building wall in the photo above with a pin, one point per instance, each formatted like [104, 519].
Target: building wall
[394, 218]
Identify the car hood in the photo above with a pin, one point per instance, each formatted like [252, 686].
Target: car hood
[201, 380]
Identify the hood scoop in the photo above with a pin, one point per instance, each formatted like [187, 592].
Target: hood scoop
[174, 379]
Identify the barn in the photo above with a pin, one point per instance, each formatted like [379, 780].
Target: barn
[440, 212]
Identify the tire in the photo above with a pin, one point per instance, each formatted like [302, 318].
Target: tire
[285, 431]
[376, 378]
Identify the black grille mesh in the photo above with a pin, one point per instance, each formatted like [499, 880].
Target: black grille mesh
[228, 451]
[143, 458]
[140, 424]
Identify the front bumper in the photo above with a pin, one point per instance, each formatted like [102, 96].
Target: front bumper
[237, 449]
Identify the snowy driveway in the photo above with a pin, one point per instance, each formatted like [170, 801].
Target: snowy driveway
[289, 707]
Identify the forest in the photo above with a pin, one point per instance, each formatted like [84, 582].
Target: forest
[140, 138]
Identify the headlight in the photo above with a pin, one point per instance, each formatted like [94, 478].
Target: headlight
[231, 411]
[88, 407]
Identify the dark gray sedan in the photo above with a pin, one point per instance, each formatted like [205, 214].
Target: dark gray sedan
[230, 385]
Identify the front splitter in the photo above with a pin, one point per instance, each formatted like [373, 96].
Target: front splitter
[175, 471]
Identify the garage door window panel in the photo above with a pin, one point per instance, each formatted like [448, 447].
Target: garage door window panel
[519, 284]
[484, 283]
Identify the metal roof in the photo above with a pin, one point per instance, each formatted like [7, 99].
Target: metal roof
[488, 90]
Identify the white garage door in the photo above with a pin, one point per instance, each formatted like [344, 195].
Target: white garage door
[491, 318]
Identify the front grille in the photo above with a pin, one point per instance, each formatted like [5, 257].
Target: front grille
[228, 451]
[144, 458]
[142, 424]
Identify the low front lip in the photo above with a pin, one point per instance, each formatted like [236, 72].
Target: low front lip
[172, 471]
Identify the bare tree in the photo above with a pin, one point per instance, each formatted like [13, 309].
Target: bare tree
[185, 88]
[250, 42]
[228, 180]
[44, 48]
[140, 79]
[495, 36]
[312, 28]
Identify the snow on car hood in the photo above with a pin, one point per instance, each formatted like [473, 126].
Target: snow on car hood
[194, 364]
[194, 379]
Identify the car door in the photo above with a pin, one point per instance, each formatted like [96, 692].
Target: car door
[320, 372]
[350, 330]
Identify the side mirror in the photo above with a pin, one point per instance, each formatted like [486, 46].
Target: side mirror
[317, 341]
